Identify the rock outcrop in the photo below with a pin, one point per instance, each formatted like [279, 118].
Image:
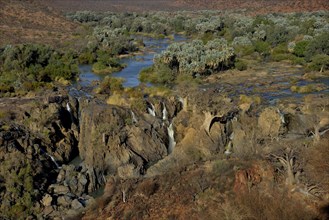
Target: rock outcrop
[110, 143]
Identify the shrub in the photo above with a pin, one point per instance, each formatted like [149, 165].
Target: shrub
[319, 62]
[195, 58]
[244, 50]
[86, 57]
[240, 65]
[110, 84]
[35, 64]
[297, 60]
[263, 48]
[300, 48]
[319, 45]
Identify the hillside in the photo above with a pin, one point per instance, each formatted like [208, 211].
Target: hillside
[254, 6]
[29, 21]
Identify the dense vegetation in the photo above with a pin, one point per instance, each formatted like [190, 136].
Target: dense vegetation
[223, 40]
[219, 41]
[29, 67]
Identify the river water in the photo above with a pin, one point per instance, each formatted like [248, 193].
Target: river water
[134, 64]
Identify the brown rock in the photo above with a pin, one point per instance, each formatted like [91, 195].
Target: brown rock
[76, 204]
[270, 122]
[47, 200]
[59, 189]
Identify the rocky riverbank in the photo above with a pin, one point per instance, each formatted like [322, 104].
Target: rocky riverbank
[118, 146]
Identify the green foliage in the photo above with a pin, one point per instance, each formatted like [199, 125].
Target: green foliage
[110, 84]
[277, 34]
[161, 74]
[86, 57]
[300, 48]
[263, 48]
[240, 65]
[196, 58]
[116, 41]
[319, 45]
[106, 63]
[319, 62]
[244, 50]
[19, 192]
[33, 65]
[297, 60]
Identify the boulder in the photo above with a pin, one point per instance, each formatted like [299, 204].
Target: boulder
[270, 122]
[64, 201]
[76, 204]
[59, 189]
[47, 200]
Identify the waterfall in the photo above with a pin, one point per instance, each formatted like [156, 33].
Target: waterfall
[68, 108]
[172, 142]
[164, 113]
[181, 100]
[54, 161]
[133, 117]
[151, 110]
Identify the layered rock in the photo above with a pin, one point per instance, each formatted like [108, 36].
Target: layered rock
[110, 143]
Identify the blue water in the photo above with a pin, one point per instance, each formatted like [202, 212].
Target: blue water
[134, 64]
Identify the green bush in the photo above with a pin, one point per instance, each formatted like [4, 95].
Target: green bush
[240, 65]
[157, 74]
[31, 65]
[244, 50]
[194, 58]
[319, 45]
[110, 84]
[319, 62]
[106, 63]
[300, 48]
[298, 60]
[263, 48]
[86, 57]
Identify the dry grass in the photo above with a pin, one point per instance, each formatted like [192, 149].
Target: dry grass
[273, 205]
[30, 22]
[254, 6]
[317, 166]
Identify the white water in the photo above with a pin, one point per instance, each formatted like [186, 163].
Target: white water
[151, 110]
[133, 117]
[54, 161]
[172, 142]
[164, 113]
[68, 108]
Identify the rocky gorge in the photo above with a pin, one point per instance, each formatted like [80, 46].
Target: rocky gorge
[41, 136]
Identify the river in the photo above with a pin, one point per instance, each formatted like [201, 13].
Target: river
[134, 64]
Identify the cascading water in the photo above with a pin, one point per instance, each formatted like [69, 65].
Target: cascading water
[68, 108]
[151, 110]
[164, 113]
[54, 161]
[172, 142]
[133, 117]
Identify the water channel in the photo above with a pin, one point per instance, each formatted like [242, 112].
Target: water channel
[134, 64]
